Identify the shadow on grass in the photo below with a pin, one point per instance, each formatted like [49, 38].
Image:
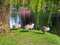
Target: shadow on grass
[38, 33]
[24, 30]
[14, 29]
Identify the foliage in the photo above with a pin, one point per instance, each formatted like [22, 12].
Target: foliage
[8, 1]
[16, 3]
[42, 9]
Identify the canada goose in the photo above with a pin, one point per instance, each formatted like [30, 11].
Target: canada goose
[17, 25]
[29, 26]
[44, 28]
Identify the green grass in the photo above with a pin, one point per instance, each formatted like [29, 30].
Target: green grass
[31, 37]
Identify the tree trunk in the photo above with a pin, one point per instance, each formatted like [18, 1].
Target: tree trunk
[4, 17]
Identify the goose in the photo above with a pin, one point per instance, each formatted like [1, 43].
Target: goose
[29, 26]
[44, 28]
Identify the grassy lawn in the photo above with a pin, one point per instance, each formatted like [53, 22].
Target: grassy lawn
[31, 37]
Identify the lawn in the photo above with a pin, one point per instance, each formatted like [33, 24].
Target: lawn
[29, 37]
